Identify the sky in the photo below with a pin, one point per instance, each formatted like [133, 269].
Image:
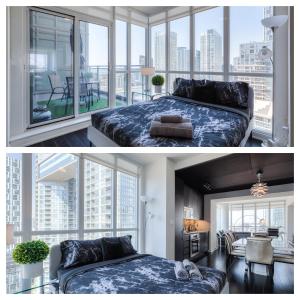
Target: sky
[245, 27]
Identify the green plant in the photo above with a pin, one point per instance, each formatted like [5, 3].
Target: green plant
[30, 252]
[158, 80]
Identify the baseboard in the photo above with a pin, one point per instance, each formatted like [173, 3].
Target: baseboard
[43, 133]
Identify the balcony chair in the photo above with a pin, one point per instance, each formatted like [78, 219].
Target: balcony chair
[56, 87]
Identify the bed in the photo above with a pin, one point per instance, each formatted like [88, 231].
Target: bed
[134, 274]
[213, 125]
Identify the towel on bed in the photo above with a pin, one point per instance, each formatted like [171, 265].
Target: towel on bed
[193, 270]
[189, 265]
[171, 119]
[180, 271]
[195, 274]
[183, 130]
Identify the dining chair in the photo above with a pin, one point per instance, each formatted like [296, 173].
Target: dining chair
[259, 251]
[232, 252]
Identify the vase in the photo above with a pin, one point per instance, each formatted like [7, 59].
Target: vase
[32, 270]
[158, 89]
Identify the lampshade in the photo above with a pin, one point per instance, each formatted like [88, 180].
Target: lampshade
[147, 71]
[274, 21]
[265, 53]
[9, 234]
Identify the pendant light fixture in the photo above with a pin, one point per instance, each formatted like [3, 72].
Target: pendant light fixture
[259, 189]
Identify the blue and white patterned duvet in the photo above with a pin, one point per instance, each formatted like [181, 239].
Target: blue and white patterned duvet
[141, 274]
[213, 126]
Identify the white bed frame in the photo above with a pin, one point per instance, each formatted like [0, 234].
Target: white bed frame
[98, 139]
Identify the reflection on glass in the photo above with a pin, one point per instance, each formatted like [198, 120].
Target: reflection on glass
[158, 47]
[55, 203]
[93, 80]
[179, 45]
[208, 56]
[51, 62]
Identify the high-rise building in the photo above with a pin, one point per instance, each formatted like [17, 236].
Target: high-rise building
[173, 51]
[211, 51]
[159, 51]
[183, 59]
[197, 60]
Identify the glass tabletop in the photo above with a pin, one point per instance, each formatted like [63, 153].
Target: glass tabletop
[35, 285]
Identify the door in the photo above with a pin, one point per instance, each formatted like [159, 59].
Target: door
[50, 64]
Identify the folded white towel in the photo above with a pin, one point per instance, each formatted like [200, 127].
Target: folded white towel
[195, 274]
[180, 271]
[189, 265]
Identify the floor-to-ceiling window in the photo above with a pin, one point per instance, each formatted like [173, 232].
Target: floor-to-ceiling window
[247, 37]
[158, 52]
[138, 60]
[179, 49]
[72, 197]
[258, 217]
[51, 63]
[224, 45]
[208, 39]
[93, 78]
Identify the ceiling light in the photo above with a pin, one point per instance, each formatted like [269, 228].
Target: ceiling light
[259, 189]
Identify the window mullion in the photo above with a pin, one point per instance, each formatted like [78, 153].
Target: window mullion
[80, 176]
[115, 194]
[226, 42]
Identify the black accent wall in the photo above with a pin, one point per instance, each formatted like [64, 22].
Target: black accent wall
[185, 196]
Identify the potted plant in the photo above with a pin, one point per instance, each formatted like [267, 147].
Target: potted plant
[158, 82]
[31, 255]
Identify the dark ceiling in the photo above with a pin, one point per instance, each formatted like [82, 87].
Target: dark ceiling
[238, 171]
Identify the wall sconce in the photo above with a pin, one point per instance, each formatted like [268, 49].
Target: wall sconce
[148, 215]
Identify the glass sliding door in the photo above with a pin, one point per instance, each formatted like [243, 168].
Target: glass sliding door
[93, 77]
[50, 64]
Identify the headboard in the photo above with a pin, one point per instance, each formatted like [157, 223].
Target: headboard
[54, 261]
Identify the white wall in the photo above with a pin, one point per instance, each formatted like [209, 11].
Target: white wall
[281, 75]
[155, 190]
[211, 201]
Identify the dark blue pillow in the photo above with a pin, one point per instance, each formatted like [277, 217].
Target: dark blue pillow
[204, 90]
[182, 87]
[234, 94]
[77, 253]
[116, 247]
